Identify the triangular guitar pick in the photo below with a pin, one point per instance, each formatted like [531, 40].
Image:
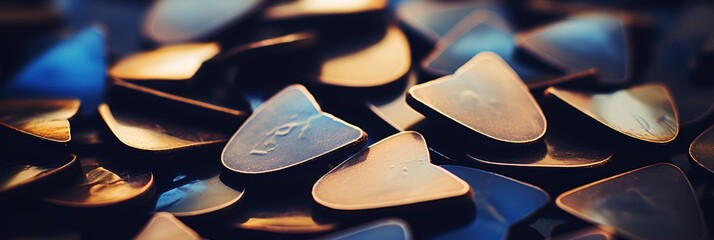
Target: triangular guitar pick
[500, 202]
[164, 226]
[166, 21]
[702, 149]
[392, 172]
[76, 68]
[173, 62]
[150, 133]
[485, 96]
[580, 43]
[644, 112]
[288, 130]
[44, 119]
[653, 202]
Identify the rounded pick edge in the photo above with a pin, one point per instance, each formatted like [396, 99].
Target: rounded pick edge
[107, 116]
[206, 210]
[418, 104]
[74, 103]
[554, 91]
[143, 194]
[48, 176]
[299, 87]
[372, 225]
[182, 226]
[583, 216]
[550, 166]
[461, 192]
[112, 71]
[694, 142]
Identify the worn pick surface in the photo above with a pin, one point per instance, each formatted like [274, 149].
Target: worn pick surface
[166, 21]
[702, 149]
[74, 68]
[644, 112]
[580, 43]
[653, 202]
[172, 62]
[392, 229]
[500, 203]
[485, 96]
[288, 130]
[164, 226]
[148, 133]
[379, 63]
[45, 119]
[104, 184]
[25, 173]
[309, 8]
[395, 171]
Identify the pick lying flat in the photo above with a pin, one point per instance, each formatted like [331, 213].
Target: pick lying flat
[580, 43]
[391, 229]
[74, 68]
[172, 62]
[376, 64]
[653, 202]
[485, 96]
[308, 8]
[288, 130]
[394, 110]
[500, 203]
[392, 172]
[164, 226]
[432, 20]
[702, 149]
[44, 119]
[166, 21]
[194, 192]
[17, 174]
[148, 133]
[644, 112]
[103, 184]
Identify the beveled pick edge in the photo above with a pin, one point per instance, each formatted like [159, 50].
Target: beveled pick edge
[73, 102]
[709, 130]
[396, 203]
[583, 216]
[554, 89]
[49, 174]
[208, 209]
[311, 99]
[475, 60]
[544, 166]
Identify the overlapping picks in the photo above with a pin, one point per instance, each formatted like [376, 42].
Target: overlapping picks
[645, 112]
[486, 97]
[392, 229]
[173, 62]
[164, 226]
[22, 173]
[288, 130]
[500, 202]
[582, 42]
[166, 21]
[653, 202]
[395, 171]
[43, 119]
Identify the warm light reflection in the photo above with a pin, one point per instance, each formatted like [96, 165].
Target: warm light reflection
[289, 223]
[45, 119]
[173, 62]
[301, 8]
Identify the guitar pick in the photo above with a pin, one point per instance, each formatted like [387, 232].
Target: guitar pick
[103, 184]
[310, 8]
[432, 20]
[481, 31]
[357, 65]
[74, 68]
[194, 192]
[644, 112]
[392, 229]
[394, 110]
[392, 172]
[500, 203]
[164, 226]
[171, 62]
[166, 21]
[653, 202]
[702, 149]
[486, 97]
[587, 234]
[148, 133]
[33, 172]
[288, 130]
[580, 43]
[44, 119]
